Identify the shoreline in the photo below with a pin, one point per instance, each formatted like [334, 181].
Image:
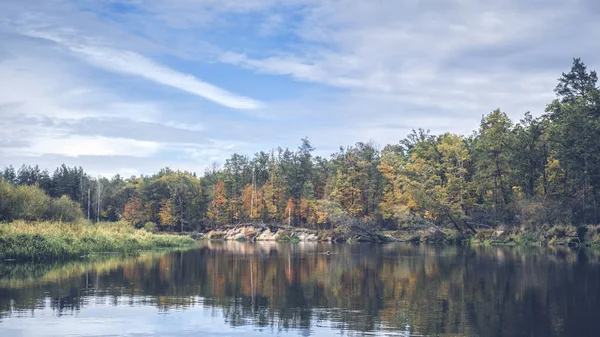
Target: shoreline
[41, 241]
[571, 236]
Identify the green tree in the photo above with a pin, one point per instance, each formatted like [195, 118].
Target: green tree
[575, 131]
[492, 154]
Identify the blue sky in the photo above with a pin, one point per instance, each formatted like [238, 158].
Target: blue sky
[130, 86]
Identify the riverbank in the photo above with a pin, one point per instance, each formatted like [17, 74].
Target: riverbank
[502, 236]
[22, 240]
[250, 232]
[38, 241]
[582, 236]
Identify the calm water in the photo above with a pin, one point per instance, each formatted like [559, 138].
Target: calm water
[289, 290]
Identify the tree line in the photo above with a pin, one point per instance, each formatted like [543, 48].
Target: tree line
[539, 170]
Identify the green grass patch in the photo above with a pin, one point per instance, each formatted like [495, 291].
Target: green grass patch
[46, 240]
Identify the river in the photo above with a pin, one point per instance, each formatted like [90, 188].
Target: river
[257, 289]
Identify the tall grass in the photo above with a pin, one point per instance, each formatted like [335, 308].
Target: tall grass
[44, 240]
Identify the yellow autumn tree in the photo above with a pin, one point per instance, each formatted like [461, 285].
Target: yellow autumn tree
[347, 193]
[166, 213]
[434, 178]
[252, 203]
[396, 202]
[270, 203]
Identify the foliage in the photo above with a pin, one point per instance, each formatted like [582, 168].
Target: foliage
[150, 227]
[538, 171]
[28, 202]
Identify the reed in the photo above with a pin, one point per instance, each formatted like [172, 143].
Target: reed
[23, 240]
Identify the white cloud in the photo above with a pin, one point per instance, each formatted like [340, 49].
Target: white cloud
[131, 63]
[216, 151]
[74, 146]
[455, 56]
[370, 69]
[51, 114]
[47, 87]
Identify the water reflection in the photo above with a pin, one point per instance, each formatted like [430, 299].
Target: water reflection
[270, 287]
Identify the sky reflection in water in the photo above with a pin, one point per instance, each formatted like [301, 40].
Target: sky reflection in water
[223, 289]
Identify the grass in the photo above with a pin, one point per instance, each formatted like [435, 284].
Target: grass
[45, 240]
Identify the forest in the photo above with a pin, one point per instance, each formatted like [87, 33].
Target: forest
[536, 171]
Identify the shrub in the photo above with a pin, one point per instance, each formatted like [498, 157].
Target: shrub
[7, 201]
[30, 203]
[150, 227]
[63, 209]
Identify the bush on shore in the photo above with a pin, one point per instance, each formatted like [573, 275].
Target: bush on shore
[44, 240]
[33, 204]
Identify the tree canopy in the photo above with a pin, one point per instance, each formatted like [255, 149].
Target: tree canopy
[539, 170]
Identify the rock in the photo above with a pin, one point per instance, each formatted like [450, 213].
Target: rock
[252, 233]
[237, 236]
[267, 235]
[307, 237]
[249, 231]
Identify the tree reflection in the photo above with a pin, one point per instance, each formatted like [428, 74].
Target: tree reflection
[434, 290]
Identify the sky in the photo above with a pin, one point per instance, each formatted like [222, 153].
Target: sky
[132, 86]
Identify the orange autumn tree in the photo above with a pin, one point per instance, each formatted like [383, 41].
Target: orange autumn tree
[307, 212]
[289, 210]
[133, 212]
[217, 208]
[247, 202]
